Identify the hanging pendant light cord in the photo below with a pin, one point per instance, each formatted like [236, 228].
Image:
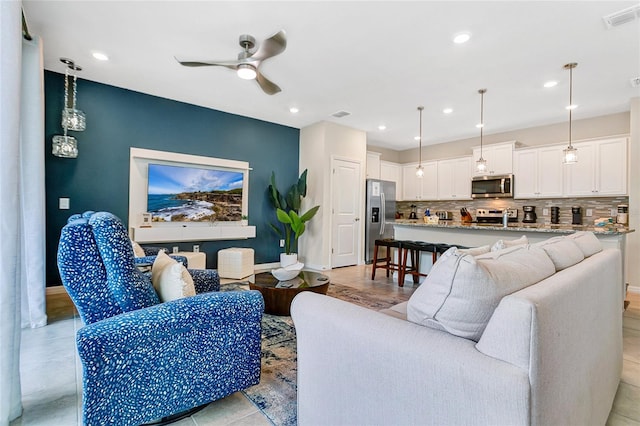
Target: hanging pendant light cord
[66, 95]
[570, 101]
[420, 108]
[482, 92]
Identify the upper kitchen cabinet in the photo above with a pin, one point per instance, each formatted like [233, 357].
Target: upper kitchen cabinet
[393, 173]
[416, 188]
[601, 170]
[454, 179]
[538, 172]
[499, 158]
[373, 165]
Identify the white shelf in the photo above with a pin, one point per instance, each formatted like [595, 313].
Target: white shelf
[162, 234]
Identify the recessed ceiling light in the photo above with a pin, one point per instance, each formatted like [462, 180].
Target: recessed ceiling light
[294, 110]
[382, 127]
[100, 56]
[460, 38]
[574, 106]
[447, 110]
[551, 83]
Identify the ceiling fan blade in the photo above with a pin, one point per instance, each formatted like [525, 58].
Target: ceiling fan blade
[268, 86]
[272, 46]
[228, 64]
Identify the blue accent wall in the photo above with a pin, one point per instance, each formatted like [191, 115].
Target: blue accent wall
[118, 119]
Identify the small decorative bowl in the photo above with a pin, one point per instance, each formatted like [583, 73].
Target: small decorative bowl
[288, 273]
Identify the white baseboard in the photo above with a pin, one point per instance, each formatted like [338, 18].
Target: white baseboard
[633, 289]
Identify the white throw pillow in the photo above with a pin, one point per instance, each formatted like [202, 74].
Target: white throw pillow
[171, 279]
[502, 244]
[587, 242]
[476, 251]
[137, 250]
[461, 292]
[562, 251]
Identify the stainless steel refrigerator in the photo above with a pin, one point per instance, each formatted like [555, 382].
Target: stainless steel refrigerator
[381, 211]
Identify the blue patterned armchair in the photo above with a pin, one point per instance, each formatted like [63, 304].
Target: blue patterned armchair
[142, 359]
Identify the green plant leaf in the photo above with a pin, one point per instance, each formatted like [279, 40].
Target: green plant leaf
[283, 216]
[277, 230]
[302, 184]
[309, 214]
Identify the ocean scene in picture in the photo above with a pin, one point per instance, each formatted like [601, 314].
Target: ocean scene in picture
[192, 194]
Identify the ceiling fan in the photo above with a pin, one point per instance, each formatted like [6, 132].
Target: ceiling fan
[248, 64]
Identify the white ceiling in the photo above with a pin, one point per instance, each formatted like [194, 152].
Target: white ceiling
[377, 60]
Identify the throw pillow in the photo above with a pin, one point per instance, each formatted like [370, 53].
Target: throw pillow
[137, 250]
[475, 251]
[562, 251]
[502, 244]
[171, 279]
[461, 292]
[587, 242]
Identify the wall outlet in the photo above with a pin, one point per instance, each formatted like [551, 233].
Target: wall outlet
[589, 212]
[63, 203]
[196, 248]
[281, 243]
[545, 212]
[614, 212]
[175, 249]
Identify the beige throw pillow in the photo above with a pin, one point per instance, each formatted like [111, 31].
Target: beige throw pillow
[137, 250]
[503, 244]
[461, 292]
[171, 279]
[475, 251]
[587, 242]
[563, 252]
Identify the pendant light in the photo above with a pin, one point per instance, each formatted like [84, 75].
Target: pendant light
[570, 154]
[66, 146]
[481, 163]
[420, 169]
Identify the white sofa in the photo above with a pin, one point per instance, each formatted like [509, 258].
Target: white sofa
[548, 354]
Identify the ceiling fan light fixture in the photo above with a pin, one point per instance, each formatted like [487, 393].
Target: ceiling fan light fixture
[247, 72]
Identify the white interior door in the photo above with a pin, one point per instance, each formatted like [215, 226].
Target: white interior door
[346, 193]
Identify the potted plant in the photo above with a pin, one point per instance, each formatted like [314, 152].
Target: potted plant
[291, 223]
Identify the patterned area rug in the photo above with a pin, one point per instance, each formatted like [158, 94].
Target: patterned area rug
[275, 395]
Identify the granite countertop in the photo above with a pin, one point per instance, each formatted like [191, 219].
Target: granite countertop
[519, 227]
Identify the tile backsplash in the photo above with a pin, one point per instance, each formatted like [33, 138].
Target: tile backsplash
[601, 207]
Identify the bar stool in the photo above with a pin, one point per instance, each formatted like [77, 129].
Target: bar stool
[414, 249]
[389, 264]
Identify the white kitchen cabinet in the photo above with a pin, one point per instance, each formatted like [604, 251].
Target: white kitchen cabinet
[424, 188]
[601, 170]
[391, 172]
[499, 158]
[373, 165]
[454, 179]
[538, 172]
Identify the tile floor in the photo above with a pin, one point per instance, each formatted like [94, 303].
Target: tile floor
[51, 372]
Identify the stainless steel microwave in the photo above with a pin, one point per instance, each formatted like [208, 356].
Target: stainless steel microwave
[492, 186]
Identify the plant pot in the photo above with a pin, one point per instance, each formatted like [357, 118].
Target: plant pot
[244, 222]
[288, 259]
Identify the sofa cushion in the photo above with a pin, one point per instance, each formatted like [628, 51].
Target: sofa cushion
[171, 280]
[502, 244]
[461, 292]
[563, 252]
[587, 242]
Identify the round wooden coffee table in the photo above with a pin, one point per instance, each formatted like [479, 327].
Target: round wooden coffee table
[279, 294]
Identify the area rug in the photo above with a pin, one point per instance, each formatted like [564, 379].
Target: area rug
[275, 395]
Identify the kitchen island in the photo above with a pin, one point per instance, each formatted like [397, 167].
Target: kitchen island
[479, 234]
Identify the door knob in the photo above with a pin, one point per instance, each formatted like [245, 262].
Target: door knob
[356, 219]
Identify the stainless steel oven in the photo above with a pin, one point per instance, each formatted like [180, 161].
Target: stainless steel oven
[492, 186]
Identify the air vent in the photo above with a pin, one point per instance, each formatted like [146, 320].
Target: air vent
[622, 16]
[635, 82]
[340, 114]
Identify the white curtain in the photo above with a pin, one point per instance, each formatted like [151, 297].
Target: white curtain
[10, 60]
[32, 210]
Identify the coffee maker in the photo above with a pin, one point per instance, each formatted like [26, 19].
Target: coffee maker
[576, 213]
[529, 214]
[555, 215]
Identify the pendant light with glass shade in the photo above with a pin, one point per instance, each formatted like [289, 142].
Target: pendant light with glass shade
[570, 154]
[66, 146]
[420, 169]
[481, 163]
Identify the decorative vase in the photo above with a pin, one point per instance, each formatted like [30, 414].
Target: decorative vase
[288, 259]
